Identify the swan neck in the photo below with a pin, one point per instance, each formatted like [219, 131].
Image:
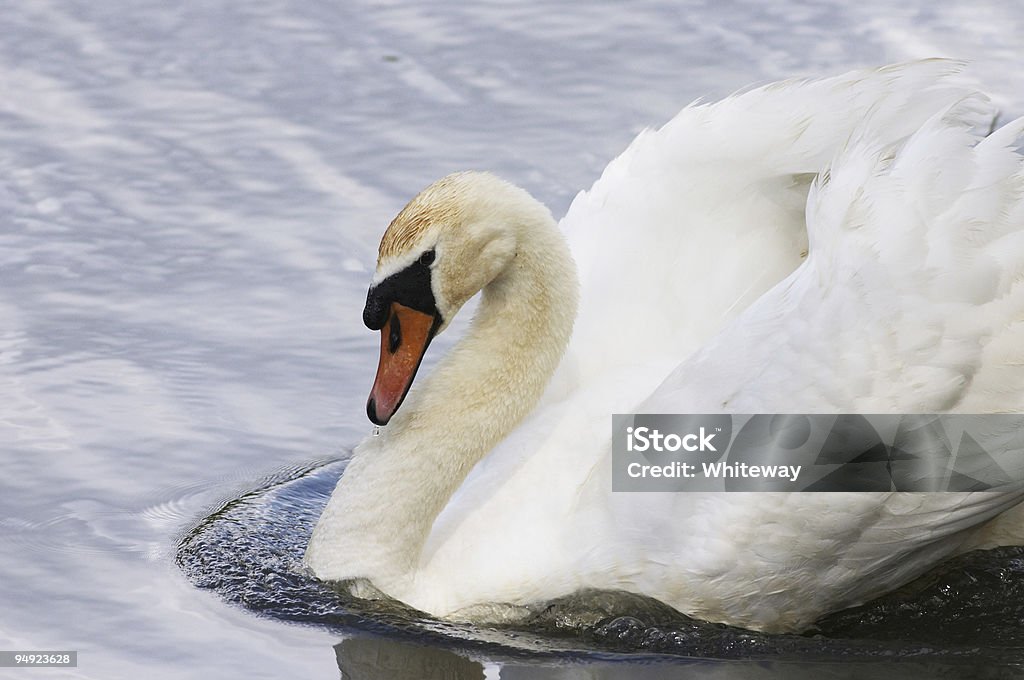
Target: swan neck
[398, 483]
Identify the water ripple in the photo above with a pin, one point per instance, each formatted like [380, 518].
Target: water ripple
[250, 553]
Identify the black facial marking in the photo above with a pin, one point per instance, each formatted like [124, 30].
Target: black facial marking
[409, 287]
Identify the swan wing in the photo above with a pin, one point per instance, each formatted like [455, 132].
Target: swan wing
[911, 300]
[696, 220]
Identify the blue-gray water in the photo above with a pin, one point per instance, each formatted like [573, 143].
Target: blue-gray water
[190, 196]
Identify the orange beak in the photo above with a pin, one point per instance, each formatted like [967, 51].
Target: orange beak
[403, 341]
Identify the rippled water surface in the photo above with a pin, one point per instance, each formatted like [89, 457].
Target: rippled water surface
[190, 196]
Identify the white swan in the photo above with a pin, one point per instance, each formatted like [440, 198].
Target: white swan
[698, 295]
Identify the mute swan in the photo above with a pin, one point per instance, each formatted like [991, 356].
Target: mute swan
[700, 288]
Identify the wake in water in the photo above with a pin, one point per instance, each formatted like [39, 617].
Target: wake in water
[250, 553]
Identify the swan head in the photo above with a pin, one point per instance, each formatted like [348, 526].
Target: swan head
[454, 238]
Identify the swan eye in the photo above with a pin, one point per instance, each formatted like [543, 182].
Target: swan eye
[427, 258]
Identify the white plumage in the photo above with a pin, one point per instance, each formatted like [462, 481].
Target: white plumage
[710, 281]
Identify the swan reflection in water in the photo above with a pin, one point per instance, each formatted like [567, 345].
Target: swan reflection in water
[386, 659]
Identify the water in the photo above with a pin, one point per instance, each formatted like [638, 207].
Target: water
[191, 197]
[250, 552]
